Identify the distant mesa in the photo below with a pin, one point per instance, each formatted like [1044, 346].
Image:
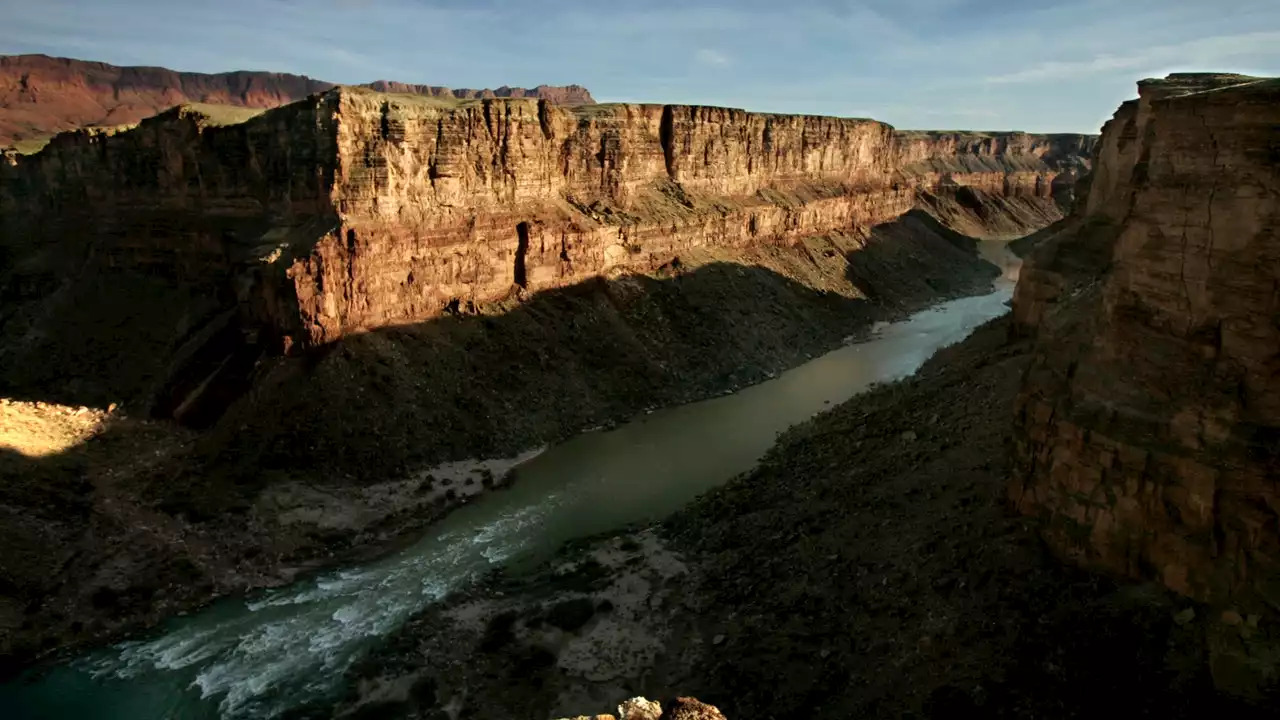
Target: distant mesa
[41, 96]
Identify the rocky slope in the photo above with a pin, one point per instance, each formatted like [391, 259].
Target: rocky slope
[41, 95]
[1147, 422]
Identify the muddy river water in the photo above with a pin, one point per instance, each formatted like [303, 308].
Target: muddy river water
[261, 655]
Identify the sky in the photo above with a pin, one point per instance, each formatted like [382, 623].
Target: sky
[1034, 65]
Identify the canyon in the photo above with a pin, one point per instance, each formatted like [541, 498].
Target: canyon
[240, 344]
[282, 317]
[903, 554]
[41, 96]
[290, 317]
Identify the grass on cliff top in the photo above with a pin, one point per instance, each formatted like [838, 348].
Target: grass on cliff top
[442, 103]
[586, 111]
[1253, 84]
[31, 146]
[221, 115]
[214, 115]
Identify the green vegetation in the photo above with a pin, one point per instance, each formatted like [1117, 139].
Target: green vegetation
[31, 146]
[590, 111]
[220, 115]
[443, 103]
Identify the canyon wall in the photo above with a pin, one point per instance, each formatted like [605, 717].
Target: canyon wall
[1147, 426]
[194, 242]
[375, 209]
[42, 95]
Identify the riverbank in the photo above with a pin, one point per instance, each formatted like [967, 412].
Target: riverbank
[328, 461]
[868, 567]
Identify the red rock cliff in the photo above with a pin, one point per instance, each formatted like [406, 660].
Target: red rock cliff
[355, 209]
[1147, 426]
[41, 95]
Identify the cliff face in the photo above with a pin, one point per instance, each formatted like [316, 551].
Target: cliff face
[377, 209]
[1147, 425]
[41, 95]
[355, 210]
[1004, 163]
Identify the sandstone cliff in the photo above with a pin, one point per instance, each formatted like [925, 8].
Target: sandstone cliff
[1147, 424]
[41, 95]
[356, 210]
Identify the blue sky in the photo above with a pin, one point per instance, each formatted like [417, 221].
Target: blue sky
[1036, 65]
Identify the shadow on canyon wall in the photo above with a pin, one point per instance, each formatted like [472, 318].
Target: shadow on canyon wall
[497, 383]
[480, 382]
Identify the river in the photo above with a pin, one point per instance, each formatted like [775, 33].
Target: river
[257, 657]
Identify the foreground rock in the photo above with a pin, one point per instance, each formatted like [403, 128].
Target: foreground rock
[41, 96]
[1147, 423]
[642, 709]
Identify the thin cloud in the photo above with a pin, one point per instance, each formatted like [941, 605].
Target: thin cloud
[1205, 52]
[714, 58]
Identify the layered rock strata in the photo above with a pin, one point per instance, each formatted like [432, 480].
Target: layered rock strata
[1147, 425]
[359, 210]
[204, 240]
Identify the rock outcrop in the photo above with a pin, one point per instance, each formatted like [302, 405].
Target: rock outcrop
[1147, 424]
[641, 709]
[42, 95]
